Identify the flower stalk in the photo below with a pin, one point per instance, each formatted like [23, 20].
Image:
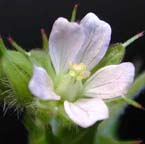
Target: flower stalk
[36, 130]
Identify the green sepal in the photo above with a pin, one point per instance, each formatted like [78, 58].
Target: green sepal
[44, 40]
[74, 13]
[17, 47]
[2, 48]
[133, 102]
[137, 86]
[45, 123]
[116, 52]
[18, 71]
[133, 39]
[2, 75]
[41, 58]
[114, 55]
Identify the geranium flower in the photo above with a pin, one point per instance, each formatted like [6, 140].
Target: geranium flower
[75, 49]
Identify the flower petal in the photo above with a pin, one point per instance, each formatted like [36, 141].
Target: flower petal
[110, 81]
[86, 112]
[41, 85]
[65, 41]
[97, 39]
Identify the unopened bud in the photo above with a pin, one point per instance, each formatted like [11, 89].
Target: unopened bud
[18, 71]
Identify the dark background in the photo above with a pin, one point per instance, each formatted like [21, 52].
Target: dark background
[23, 19]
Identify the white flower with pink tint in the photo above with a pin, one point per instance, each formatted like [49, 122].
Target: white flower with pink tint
[75, 49]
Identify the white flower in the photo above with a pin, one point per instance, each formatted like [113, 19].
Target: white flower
[74, 50]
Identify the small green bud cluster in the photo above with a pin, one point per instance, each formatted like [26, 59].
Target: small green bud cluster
[16, 69]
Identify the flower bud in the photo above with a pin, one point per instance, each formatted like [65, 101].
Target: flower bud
[18, 71]
[114, 55]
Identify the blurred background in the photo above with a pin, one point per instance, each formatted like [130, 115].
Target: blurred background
[23, 19]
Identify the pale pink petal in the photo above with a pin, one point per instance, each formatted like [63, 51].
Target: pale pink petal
[97, 39]
[65, 41]
[41, 85]
[111, 81]
[86, 112]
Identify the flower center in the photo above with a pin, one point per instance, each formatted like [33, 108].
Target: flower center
[79, 71]
[70, 85]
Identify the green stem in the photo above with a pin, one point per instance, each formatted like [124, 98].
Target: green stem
[36, 130]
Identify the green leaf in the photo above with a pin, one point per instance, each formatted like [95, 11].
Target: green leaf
[114, 55]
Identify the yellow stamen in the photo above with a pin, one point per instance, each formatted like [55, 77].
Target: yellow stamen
[79, 71]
